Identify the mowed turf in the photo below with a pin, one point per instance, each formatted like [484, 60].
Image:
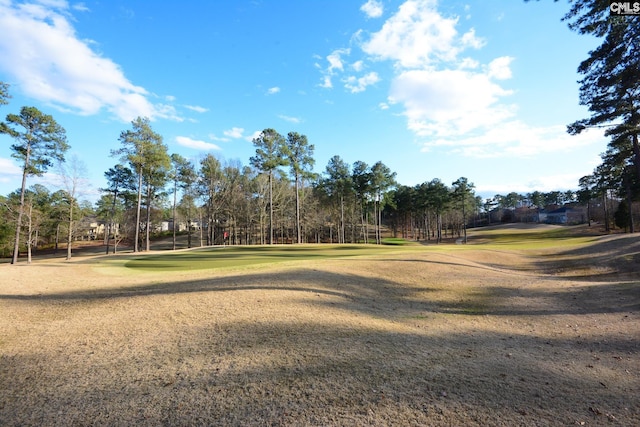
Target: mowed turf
[521, 237]
[524, 325]
[242, 256]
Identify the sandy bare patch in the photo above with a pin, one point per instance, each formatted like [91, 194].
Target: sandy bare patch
[425, 338]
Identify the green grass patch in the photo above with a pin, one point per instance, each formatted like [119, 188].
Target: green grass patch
[242, 256]
[532, 238]
[395, 241]
[502, 238]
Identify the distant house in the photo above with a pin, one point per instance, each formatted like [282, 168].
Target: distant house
[565, 215]
[542, 215]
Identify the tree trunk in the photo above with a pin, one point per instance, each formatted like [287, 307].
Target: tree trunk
[175, 191]
[111, 222]
[55, 250]
[636, 154]
[200, 217]
[148, 220]
[298, 233]
[341, 236]
[70, 231]
[270, 209]
[29, 234]
[607, 226]
[379, 220]
[136, 247]
[107, 239]
[630, 204]
[464, 222]
[188, 227]
[16, 245]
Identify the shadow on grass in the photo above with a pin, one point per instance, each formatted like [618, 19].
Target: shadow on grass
[386, 298]
[282, 372]
[219, 257]
[607, 258]
[313, 375]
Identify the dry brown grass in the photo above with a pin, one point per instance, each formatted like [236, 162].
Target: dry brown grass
[463, 337]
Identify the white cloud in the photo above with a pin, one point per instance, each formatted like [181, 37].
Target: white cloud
[335, 60]
[372, 8]
[543, 182]
[253, 136]
[213, 137]
[234, 132]
[448, 102]
[383, 106]
[289, 118]
[273, 90]
[196, 108]
[356, 85]
[185, 141]
[80, 7]
[39, 49]
[499, 68]
[326, 82]
[418, 36]
[446, 97]
[336, 65]
[8, 170]
[516, 139]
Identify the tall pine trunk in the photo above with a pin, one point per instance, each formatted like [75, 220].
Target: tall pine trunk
[70, 231]
[16, 245]
[148, 220]
[136, 245]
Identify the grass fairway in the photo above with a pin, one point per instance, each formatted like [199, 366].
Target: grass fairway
[523, 325]
[242, 256]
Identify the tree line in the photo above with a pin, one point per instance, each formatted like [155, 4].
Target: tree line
[278, 198]
[610, 88]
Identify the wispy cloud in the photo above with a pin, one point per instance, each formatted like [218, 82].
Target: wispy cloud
[196, 108]
[229, 134]
[80, 7]
[185, 141]
[336, 67]
[253, 136]
[449, 102]
[335, 60]
[355, 84]
[40, 50]
[450, 99]
[417, 36]
[326, 82]
[372, 8]
[544, 183]
[273, 90]
[234, 132]
[515, 139]
[289, 119]
[8, 170]
[213, 137]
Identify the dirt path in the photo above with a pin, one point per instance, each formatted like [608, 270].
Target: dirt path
[462, 338]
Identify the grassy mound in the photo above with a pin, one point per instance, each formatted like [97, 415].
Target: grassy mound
[242, 256]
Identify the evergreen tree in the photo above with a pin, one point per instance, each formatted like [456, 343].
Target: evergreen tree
[270, 155]
[40, 141]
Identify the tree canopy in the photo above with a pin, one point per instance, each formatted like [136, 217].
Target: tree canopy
[40, 141]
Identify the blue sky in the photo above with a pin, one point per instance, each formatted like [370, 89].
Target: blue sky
[434, 89]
